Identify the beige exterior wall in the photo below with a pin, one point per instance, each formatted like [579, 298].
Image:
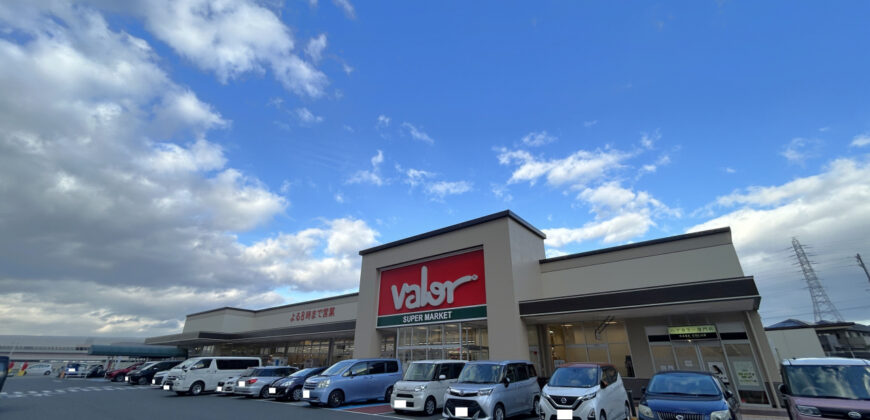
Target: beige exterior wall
[226, 320]
[503, 273]
[799, 342]
[692, 260]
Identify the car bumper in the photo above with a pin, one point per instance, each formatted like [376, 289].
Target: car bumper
[247, 390]
[407, 400]
[280, 392]
[316, 395]
[453, 405]
[556, 412]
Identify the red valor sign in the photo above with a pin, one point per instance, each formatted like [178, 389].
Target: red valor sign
[448, 283]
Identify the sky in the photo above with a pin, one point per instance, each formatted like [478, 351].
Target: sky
[160, 158]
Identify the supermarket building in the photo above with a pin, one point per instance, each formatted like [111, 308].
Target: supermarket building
[483, 289]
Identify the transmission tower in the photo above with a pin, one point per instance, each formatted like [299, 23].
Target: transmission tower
[822, 306]
[861, 263]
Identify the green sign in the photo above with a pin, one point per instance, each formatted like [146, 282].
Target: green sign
[693, 332]
[444, 315]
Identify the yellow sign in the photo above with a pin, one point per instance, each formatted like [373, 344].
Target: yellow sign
[693, 329]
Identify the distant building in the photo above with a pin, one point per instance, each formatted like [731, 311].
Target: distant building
[794, 338]
[31, 348]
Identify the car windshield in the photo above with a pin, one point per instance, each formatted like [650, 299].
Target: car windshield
[575, 377]
[338, 367]
[187, 363]
[480, 373]
[683, 384]
[302, 373]
[847, 382]
[420, 372]
[145, 366]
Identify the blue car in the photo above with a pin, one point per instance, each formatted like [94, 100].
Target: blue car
[353, 380]
[679, 395]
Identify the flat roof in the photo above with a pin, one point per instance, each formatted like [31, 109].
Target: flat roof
[458, 226]
[256, 311]
[639, 244]
[826, 361]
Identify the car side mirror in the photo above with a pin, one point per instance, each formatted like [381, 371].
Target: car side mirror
[642, 390]
[506, 382]
[442, 377]
[729, 394]
[603, 384]
[783, 389]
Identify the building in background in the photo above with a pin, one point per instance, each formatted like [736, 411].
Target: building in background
[834, 339]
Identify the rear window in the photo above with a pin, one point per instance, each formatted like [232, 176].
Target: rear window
[392, 366]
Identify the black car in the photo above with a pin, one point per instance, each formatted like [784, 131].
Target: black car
[689, 395]
[290, 388]
[144, 376]
[97, 371]
[4, 367]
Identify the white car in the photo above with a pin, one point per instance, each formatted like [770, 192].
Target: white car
[38, 369]
[201, 374]
[424, 384]
[592, 391]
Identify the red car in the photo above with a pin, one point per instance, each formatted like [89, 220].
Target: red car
[117, 375]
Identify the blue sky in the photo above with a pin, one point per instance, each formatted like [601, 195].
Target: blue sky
[197, 154]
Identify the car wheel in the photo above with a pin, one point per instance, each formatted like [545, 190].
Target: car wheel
[335, 399]
[388, 395]
[627, 411]
[498, 412]
[296, 394]
[429, 406]
[117, 378]
[535, 404]
[602, 416]
[264, 392]
[143, 381]
[48, 372]
[196, 388]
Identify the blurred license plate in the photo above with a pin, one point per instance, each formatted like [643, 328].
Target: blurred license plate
[126, 379]
[461, 411]
[241, 384]
[273, 390]
[564, 414]
[400, 404]
[220, 389]
[306, 393]
[166, 387]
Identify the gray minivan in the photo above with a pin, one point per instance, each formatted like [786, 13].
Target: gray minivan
[493, 390]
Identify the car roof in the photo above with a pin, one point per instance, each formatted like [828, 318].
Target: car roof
[272, 367]
[825, 361]
[672, 372]
[586, 364]
[497, 362]
[439, 361]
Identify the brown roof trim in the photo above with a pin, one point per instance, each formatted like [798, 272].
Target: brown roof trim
[463, 225]
[276, 307]
[639, 244]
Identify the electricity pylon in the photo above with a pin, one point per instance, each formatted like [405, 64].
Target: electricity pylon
[822, 306]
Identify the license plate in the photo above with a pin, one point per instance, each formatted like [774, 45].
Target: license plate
[273, 390]
[241, 384]
[400, 404]
[166, 387]
[71, 370]
[306, 393]
[126, 379]
[461, 411]
[564, 414]
[220, 389]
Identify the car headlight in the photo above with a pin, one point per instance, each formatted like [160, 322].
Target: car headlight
[644, 411]
[419, 388]
[720, 415]
[323, 384]
[484, 391]
[588, 397]
[808, 410]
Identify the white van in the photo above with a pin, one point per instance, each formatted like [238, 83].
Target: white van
[198, 374]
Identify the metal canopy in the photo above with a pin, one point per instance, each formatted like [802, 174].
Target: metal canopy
[136, 351]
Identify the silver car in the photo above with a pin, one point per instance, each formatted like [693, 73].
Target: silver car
[423, 387]
[493, 390]
[256, 383]
[228, 385]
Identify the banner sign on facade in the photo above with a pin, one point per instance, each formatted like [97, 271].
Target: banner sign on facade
[693, 332]
[443, 290]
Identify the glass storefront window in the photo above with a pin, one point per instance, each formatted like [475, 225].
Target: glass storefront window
[442, 341]
[748, 380]
[579, 342]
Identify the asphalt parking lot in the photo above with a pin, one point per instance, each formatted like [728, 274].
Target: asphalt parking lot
[28, 398]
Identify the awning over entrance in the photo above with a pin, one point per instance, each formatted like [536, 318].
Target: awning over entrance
[333, 330]
[136, 351]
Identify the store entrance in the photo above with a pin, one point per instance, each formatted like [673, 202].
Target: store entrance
[456, 341]
[703, 356]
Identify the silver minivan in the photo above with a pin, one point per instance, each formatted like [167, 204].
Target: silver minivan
[424, 384]
[493, 390]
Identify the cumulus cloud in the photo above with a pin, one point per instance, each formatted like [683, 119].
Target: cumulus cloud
[444, 188]
[861, 140]
[798, 150]
[346, 7]
[830, 211]
[540, 138]
[370, 176]
[578, 169]
[417, 133]
[306, 117]
[315, 48]
[648, 140]
[118, 215]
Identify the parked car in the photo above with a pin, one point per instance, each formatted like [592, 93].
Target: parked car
[353, 380]
[95, 371]
[228, 385]
[200, 374]
[145, 373]
[493, 390]
[290, 388]
[74, 370]
[585, 390]
[829, 387]
[693, 395]
[256, 384]
[4, 369]
[146, 365]
[424, 384]
[38, 369]
[158, 378]
[117, 375]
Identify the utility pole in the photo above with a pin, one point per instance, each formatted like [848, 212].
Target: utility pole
[822, 305]
[861, 263]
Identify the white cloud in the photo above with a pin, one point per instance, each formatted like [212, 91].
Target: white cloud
[620, 228]
[347, 68]
[315, 48]
[535, 139]
[578, 169]
[417, 134]
[383, 121]
[339, 198]
[307, 117]
[444, 188]
[372, 176]
[501, 192]
[414, 177]
[346, 7]
[730, 170]
[648, 140]
[591, 123]
[798, 150]
[830, 211]
[861, 140]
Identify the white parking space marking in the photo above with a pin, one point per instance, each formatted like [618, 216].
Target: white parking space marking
[56, 392]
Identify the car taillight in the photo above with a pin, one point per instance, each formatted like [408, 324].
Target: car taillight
[250, 381]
